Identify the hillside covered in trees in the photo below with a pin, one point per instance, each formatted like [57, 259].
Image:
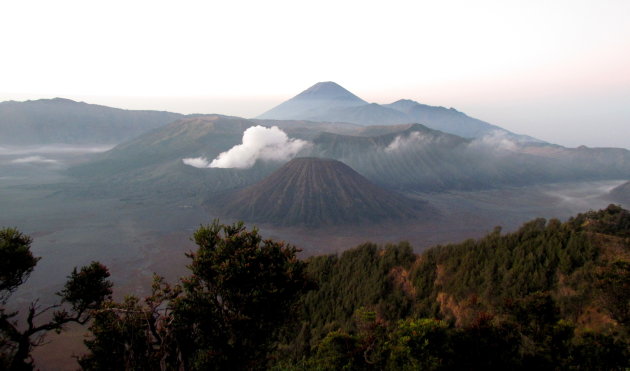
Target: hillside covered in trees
[551, 295]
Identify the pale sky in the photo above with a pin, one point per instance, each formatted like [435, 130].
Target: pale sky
[557, 70]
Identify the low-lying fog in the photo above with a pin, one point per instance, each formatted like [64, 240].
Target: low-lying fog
[52, 149]
[42, 164]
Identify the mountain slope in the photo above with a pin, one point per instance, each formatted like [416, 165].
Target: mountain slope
[407, 157]
[550, 295]
[332, 103]
[314, 102]
[416, 158]
[63, 121]
[448, 120]
[622, 194]
[153, 161]
[315, 192]
[366, 114]
[189, 137]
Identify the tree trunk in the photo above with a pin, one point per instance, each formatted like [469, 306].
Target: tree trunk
[19, 359]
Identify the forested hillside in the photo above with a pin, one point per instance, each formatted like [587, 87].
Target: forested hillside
[551, 295]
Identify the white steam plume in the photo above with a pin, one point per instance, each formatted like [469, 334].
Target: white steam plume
[200, 162]
[403, 142]
[259, 143]
[496, 140]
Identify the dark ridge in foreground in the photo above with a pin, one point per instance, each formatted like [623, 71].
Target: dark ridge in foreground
[316, 192]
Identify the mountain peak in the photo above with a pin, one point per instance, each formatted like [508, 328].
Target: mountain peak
[325, 85]
[406, 101]
[313, 102]
[316, 192]
[329, 90]
[62, 100]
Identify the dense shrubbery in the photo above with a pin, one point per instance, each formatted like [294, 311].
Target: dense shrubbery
[551, 295]
[225, 315]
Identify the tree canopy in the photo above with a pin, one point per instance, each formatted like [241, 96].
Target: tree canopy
[85, 290]
[550, 295]
[224, 315]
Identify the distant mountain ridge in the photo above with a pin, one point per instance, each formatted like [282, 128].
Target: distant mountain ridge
[328, 101]
[64, 121]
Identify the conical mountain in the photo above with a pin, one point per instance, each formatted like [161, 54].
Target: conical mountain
[318, 192]
[329, 90]
[313, 102]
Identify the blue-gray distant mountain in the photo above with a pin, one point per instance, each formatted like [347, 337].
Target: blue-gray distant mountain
[64, 121]
[329, 102]
[315, 102]
[449, 120]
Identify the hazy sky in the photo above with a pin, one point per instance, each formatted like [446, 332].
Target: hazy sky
[557, 70]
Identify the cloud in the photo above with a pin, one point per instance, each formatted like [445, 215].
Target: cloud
[401, 142]
[496, 140]
[259, 143]
[34, 160]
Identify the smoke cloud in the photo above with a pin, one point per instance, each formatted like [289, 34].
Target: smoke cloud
[259, 143]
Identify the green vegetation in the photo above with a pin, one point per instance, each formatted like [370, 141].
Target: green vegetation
[83, 294]
[225, 315]
[551, 295]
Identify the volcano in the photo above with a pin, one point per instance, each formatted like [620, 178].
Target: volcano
[314, 102]
[318, 192]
